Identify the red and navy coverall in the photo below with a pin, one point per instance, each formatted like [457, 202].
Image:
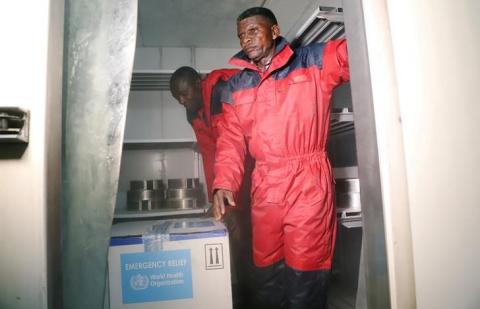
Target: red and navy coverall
[282, 116]
[204, 121]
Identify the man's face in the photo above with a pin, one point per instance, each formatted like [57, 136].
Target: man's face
[190, 95]
[257, 37]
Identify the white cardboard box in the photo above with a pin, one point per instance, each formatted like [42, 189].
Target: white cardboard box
[170, 264]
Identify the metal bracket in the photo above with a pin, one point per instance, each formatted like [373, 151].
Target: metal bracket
[14, 125]
[331, 14]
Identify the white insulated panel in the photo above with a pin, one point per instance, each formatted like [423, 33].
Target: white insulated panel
[147, 58]
[174, 120]
[155, 115]
[143, 115]
[173, 58]
[207, 59]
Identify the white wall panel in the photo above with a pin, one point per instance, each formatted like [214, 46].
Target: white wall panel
[174, 121]
[173, 58]
[144, 115]
[207, 59]
[30, 185]
[147, 58]
[155, 115]
[436, 63]
[437, 48]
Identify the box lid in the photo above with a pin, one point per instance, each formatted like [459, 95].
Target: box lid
[139, 232]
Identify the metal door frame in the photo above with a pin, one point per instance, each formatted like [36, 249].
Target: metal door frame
[374, 259]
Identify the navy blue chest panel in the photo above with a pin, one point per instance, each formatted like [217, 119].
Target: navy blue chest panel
[191, 116]
[218, 93]
[219, 90]
[304, 57]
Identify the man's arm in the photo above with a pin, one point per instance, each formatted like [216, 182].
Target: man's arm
[229, 161]
[335, 62]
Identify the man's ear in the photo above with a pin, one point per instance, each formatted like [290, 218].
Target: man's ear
[275, 31]
[181, 99]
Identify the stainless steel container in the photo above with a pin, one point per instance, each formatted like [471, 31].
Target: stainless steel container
[184, 193]
[347, 185]
[146, 195]
[183, 183]
[347, 194]
[146, 185]
[187, 203]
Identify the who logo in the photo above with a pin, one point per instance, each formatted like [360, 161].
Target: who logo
[139, 282]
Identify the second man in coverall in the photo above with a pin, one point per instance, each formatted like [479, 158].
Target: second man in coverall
[202, 101]
[278, 107]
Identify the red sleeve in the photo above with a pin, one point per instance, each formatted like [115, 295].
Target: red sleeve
[206, 145]
[335, 63]
[207, 134]
[231, 150]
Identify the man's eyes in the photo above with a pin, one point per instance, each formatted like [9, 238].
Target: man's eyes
[249, 32]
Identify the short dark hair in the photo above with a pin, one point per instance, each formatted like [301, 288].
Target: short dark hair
[258, 10]
[182, 74]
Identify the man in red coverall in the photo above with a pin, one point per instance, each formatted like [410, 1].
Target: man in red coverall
[278, 107]
[202, 101]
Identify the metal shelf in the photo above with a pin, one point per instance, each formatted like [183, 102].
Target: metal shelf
[141, 144]
[159, 213]
[350, 220]
[341, 123]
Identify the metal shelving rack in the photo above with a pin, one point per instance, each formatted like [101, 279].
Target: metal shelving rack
[325, 24]
[341, 122]
[158, 80]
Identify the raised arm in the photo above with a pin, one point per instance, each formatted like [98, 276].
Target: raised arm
[335, 63]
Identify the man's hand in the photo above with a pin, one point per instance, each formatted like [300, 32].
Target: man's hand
[222, 198]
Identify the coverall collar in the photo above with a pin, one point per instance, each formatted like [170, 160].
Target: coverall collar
[283, 52]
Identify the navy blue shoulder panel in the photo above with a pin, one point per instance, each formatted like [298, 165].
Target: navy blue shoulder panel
[245, 79]
[304, 57]
[191, 116]
[218, 93]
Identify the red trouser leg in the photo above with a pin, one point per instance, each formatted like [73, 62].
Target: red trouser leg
[301, 229]
[294, 221]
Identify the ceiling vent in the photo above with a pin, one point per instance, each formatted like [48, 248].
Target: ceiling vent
[156, 80]
[151, 81]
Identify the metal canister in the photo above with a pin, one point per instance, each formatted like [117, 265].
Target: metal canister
[186, 203]
[183, 183]
[146, 195]
[155, 184]
[184, 193]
